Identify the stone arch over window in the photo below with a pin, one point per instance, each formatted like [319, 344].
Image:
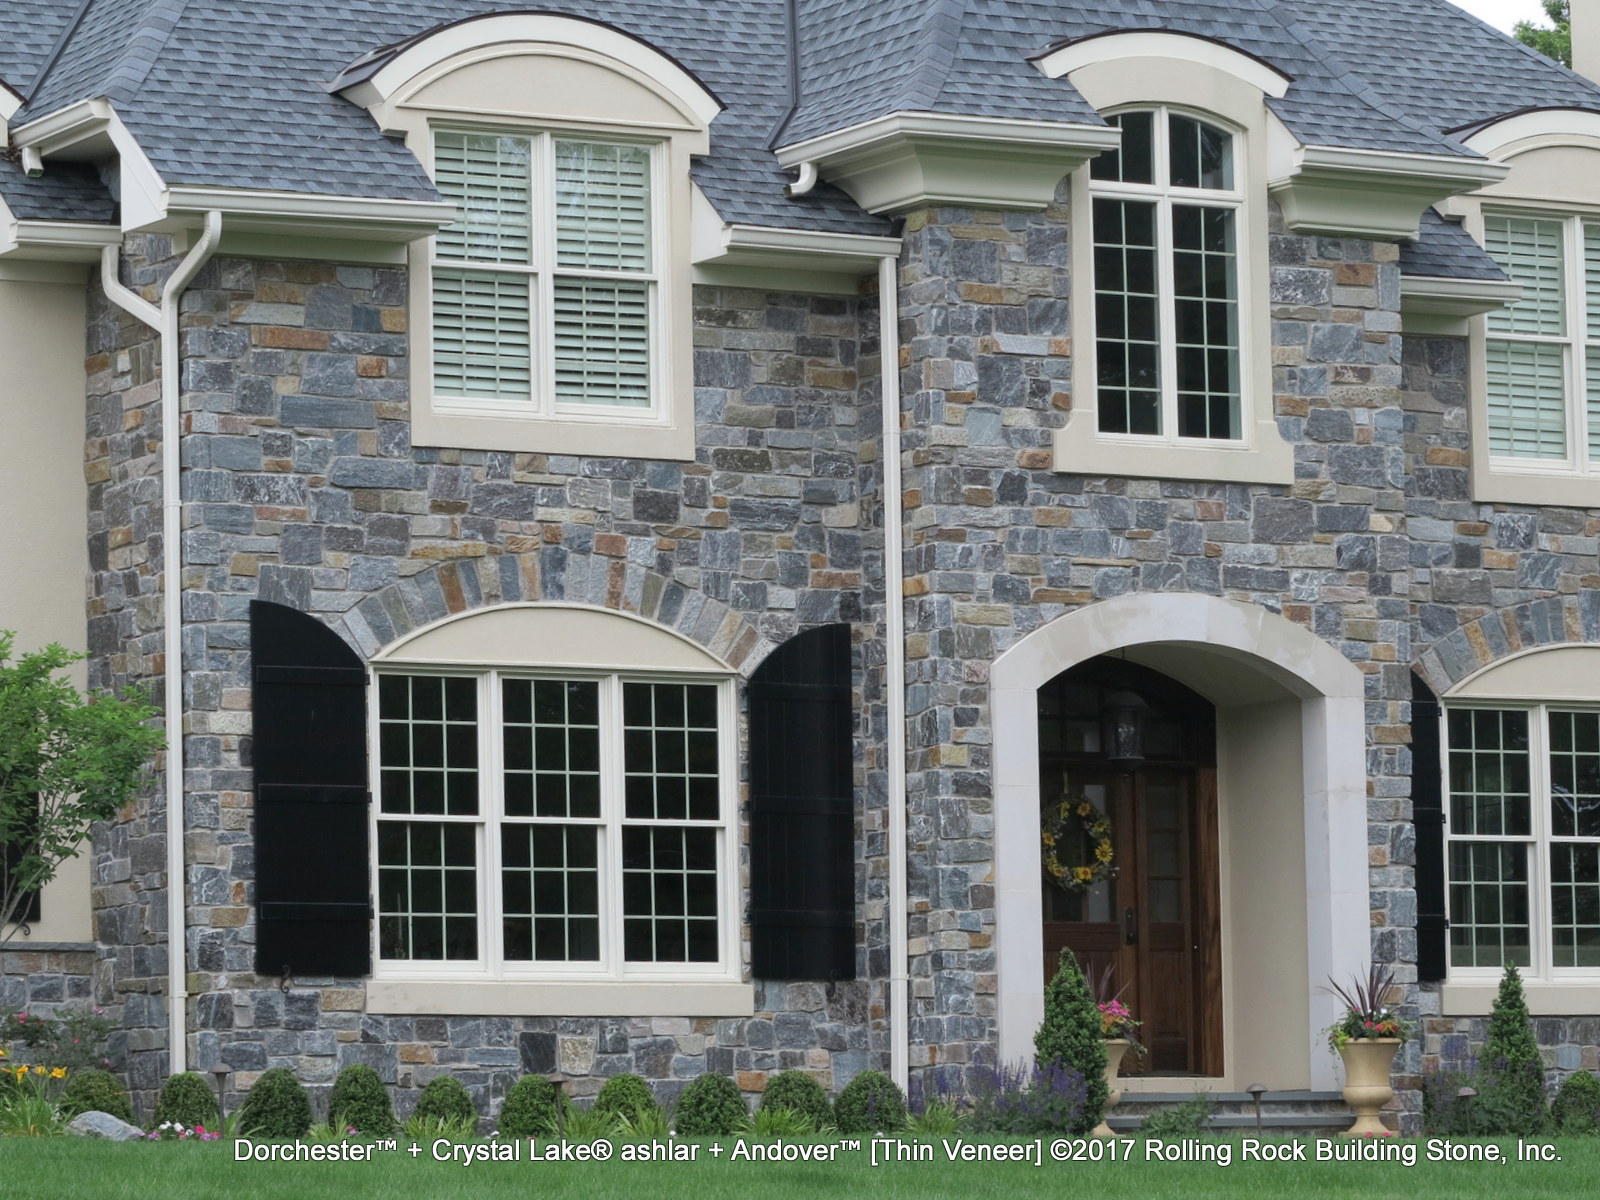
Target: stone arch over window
[1478, 644]
[555, 575]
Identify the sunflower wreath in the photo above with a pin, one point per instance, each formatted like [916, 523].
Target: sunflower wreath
[1071, 823]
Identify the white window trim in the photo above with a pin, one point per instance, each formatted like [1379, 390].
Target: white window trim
[490, 967]
[1541, 971]
[1574, 342]
[1164, 195]
[1261, 455]
[543, 267]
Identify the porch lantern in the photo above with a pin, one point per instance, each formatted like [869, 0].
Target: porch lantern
[1124, 718]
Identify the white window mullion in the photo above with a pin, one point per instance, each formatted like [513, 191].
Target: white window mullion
[491, 793]
[1167, 315]
[613, 798]
[542, 205]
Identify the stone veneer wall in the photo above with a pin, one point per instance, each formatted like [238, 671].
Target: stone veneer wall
[47, 978]
[302, 487]
[1487, 580]
[1000, 544]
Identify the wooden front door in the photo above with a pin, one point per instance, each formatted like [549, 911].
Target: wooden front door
[1155, 921]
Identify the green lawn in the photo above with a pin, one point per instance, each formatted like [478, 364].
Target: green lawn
[139, 1171]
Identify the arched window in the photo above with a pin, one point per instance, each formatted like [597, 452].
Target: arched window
[1166, 279]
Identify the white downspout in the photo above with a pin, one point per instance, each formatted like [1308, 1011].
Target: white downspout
[894, 619]
[164, 320]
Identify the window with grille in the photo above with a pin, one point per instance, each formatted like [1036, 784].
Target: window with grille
[1542, 354]
[545, 290]
[530, 825]
[1166, 216]
[1523, 844]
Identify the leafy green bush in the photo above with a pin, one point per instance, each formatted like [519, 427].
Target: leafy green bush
[94, 1090]
[870, 1103]
[710, 1107]
[1445, 1111]
[1576, 1111]
[801, 1093]
[1511, 1098]
[532, 1109]
[1070, 1036]
[444, 1099]
[359, 1101]
[187, 1100]
[1189, 1119]
[626, 1096]
[277, 1107]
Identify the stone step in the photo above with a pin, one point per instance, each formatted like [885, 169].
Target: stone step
[1289, 1111]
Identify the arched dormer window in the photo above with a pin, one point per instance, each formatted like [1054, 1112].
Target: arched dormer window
[1172, 370]
[1166, 279]
[554, 315]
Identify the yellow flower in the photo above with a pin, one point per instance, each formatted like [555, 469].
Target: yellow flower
[1084, 874]
[1085, 809]
[1049, 839]
[58, 1073]
[1103, 852]
[38, 1070]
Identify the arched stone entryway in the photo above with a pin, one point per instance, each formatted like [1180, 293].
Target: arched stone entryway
[1292, 802]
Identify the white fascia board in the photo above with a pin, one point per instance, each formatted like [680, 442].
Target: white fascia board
[1341, 192]
[361, 217]
[56, 241]
[1456, 299]
[910, 160]
[1150, 43]
[809, 248]
[66, 127]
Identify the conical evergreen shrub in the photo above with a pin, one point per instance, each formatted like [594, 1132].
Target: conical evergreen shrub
[1511, 1098]
[1071, 1036]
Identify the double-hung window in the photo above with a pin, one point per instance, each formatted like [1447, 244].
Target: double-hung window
[1523, 860]
[1166, 214]
[567, 825]
[545, 291]
[1542, 354]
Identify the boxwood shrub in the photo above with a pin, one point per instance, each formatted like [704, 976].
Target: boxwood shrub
[626, 1096]
[94, 1090]
[710, 1106]
[188, 1100]
[870, 1103]
[445, 1100]
[532, 1109]
[799, 1093]
[359, 1101]
[277, 1107]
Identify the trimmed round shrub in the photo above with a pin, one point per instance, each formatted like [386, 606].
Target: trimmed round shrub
[94, 1090]
[188, 1100]
[444, 1100]
[1072, 1036]
[710, 1106]
[359, 1101]
[532, 1109]
[277, 1107]
[800, 1093]
[1576, 1110]
[870, 1103]
[626, 1096]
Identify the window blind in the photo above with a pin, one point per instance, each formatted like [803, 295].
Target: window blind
[602, 206]
[1527, 399]
[488, 178]
[602, 342]
[1530, 251]
[481, 334]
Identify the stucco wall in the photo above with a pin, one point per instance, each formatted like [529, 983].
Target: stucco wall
[43, 499]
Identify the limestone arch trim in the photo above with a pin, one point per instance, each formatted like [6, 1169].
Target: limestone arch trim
[1330, 689]
[553, 575]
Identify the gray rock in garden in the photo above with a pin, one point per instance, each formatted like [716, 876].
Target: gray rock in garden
[103, 1125]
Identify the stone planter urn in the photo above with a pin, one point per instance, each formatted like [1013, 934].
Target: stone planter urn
[1367, 1062]
[1115, 1049]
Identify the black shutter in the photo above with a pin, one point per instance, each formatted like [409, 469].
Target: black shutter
[1427, 814]
[313, 902]
[802, 810]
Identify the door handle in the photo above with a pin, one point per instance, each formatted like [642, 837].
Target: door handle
[1130, 926]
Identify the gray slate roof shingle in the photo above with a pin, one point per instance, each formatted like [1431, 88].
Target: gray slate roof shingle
[66, 192]
[31, 30]
[1448, 251]
[234, 93]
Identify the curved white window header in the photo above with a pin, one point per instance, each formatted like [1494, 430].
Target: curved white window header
[1157, 44]
[553, 635]
[1540, 127]
[484, 38]
[1560, 673]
